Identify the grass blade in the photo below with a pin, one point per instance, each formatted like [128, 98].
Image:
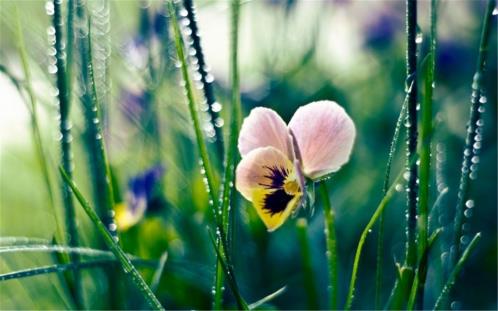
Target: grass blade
[412, 133]
[442, 300]
[127, 266]
[212, 189]
[425, 158]
[380, 208]
[156, 279]
[205, 78]
[35, 129]
[268, 298]
[70, 266]
[474, 126]
[380, 238]
[64, 97]
[231, 153]
[331, 245]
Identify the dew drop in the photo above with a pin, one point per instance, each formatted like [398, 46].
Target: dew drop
[419, 38]
[468, 213]
[216, 107]
[495, 11]
[469, 203]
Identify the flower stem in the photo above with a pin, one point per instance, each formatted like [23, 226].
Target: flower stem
[309, 279]
[331, 245]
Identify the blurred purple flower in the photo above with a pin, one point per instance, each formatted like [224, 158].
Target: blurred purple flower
[453, 60]
[380, 30]
[133, 103]
[139, 194]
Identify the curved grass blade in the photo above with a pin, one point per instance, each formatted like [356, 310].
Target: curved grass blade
[385, 188]
[21, 240]
[125, 262]
[474, 128]
[331, 245]
[35, 128]
[380, 208]
[205, 78]
[70, 266]
[442, 300]
[268, 298]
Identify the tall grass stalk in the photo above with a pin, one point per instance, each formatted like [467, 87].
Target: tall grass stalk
[125, 262]
[66, 139]
[98, 162]
[35, 129]
[474, 134]
[385, 188]
[412, 133]
[380, 208]
[308, 274]
[205, 78]
[442, 300]
[425, 159]
[331, 246]
[207, 168]
[231, 152]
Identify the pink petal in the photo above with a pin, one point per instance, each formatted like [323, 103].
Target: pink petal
[325, 135]
[252, 171]
[262, 128]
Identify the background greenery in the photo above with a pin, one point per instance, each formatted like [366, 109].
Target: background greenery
[291, 53]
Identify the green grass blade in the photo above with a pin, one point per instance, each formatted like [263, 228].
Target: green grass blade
[57, 268]
[331, 246]
[309, 279]
[442, 300]
[425, 158]
[156, 279]
[212, 189]
[231, 153]
[380, 208]
[64, 97]
[127, 266]
[412, 133]
[380, 237]
[267, 298]
[21, 240]
[35, 128]
[230, 276]
[472, 147]
[205, 78]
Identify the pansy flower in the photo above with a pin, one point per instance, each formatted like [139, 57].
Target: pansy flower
[276, 157]
[138, 196]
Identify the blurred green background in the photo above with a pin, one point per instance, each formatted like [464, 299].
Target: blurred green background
[291, 53]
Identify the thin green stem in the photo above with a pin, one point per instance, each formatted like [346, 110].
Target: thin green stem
[192, 106]
[35, 128]
[66, 139]
[71, 266]
[380, 208]
[125, 262]
[231, 152]
[442, 300]
[474, 129]
[331, 245]
[411, 142]
[309, 279]
[385, 188]
[425, 160]
[207, 80]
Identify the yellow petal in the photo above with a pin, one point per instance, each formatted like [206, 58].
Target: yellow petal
[274, 206]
